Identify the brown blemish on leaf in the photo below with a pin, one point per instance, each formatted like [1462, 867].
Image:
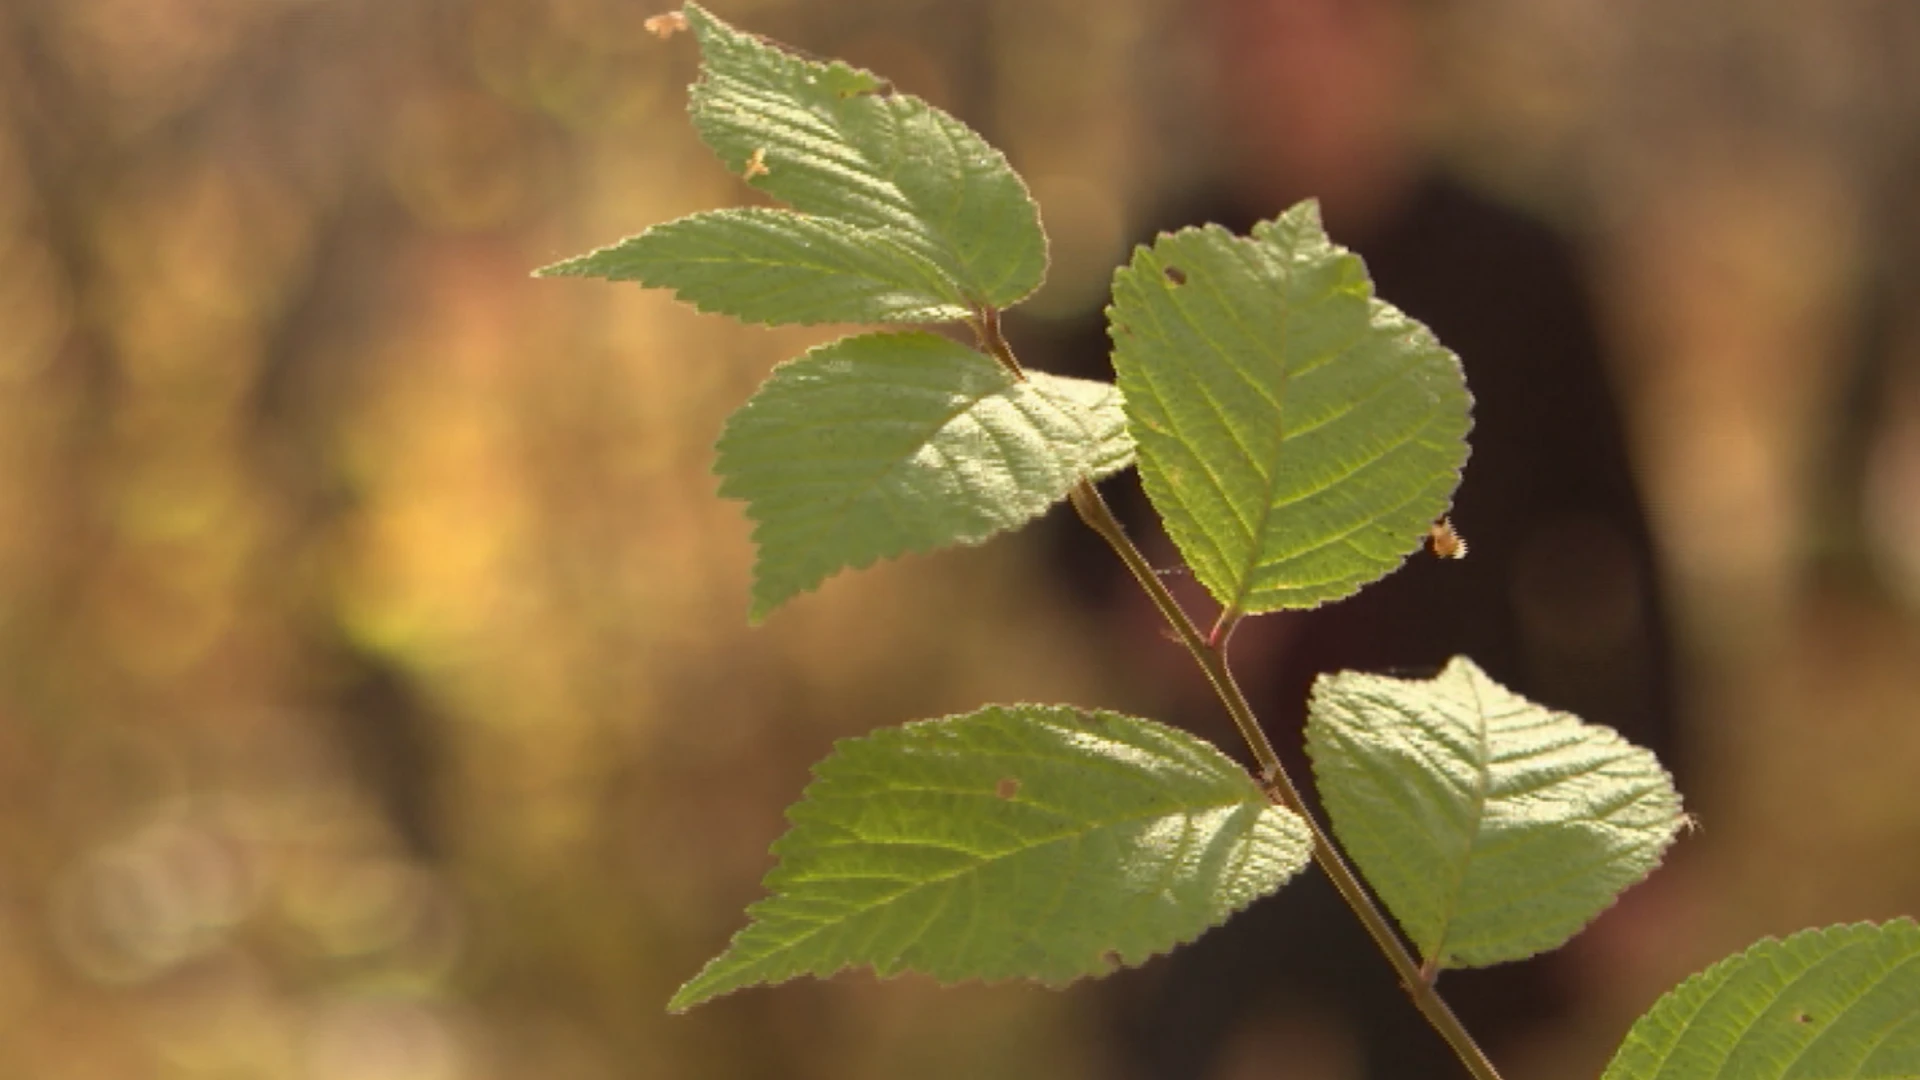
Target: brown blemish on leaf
[756, 164]
[1176, 275]
[1113, 960]
[665, 26]
[1445, 542]
[883, 90]
[1007, 788]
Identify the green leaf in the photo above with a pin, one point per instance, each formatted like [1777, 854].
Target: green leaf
[882, 444]
[1020, 841]
[1297, 435]
[1491, 827]
[838, 142]
[1841, 1003]
[775, 266]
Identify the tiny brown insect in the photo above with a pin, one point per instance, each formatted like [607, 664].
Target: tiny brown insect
[665, 26]
[1445, 542]
[756, 164]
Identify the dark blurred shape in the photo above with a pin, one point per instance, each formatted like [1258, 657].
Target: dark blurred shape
[1864, 514]
[1560, 597]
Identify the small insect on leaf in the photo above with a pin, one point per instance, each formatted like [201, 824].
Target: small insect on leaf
[756, 164]
[665, 26]
[1445, 542]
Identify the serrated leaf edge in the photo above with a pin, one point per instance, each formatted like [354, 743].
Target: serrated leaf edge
[686, 997]
[1034, 387]
[1857, 934]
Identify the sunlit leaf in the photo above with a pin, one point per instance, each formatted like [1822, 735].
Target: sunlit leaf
[1491, 827]
[839, 142]
[1842, 1003]
[1298, 436]
[776, 266]
[1027, 841]
[883, 444]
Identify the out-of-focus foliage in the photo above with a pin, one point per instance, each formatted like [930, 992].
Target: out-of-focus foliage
[374, 700]
[371, 633]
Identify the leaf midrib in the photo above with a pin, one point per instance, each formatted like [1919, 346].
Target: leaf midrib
[1187, 811]
[1481, 785]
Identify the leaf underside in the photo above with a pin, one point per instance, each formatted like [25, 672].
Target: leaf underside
[1492, 828]
[881, 444]
[1840, 1003]
[1297, 436]
[1028, 841]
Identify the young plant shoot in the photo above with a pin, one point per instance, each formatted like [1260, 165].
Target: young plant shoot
[1300, 438]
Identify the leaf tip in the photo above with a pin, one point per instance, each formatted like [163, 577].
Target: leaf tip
[693, 992]
[1305, 213]
[766, 599]
[718, 977]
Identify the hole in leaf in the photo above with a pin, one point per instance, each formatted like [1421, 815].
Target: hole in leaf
[1007, 788]
[1176, 275]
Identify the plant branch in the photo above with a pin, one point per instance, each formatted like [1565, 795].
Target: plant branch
[1093, 510]
[986, 327]
[1209, 651]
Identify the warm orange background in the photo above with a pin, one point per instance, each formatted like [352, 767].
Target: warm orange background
[376, 699]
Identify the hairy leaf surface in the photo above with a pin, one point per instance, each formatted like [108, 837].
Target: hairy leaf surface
[1491, 827]
[1020, 841]
[775, 266]
[839, 142]
[1842, 1003]
[882, 444]
[1297, 435]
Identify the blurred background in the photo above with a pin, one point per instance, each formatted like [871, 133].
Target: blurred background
[376, 695]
